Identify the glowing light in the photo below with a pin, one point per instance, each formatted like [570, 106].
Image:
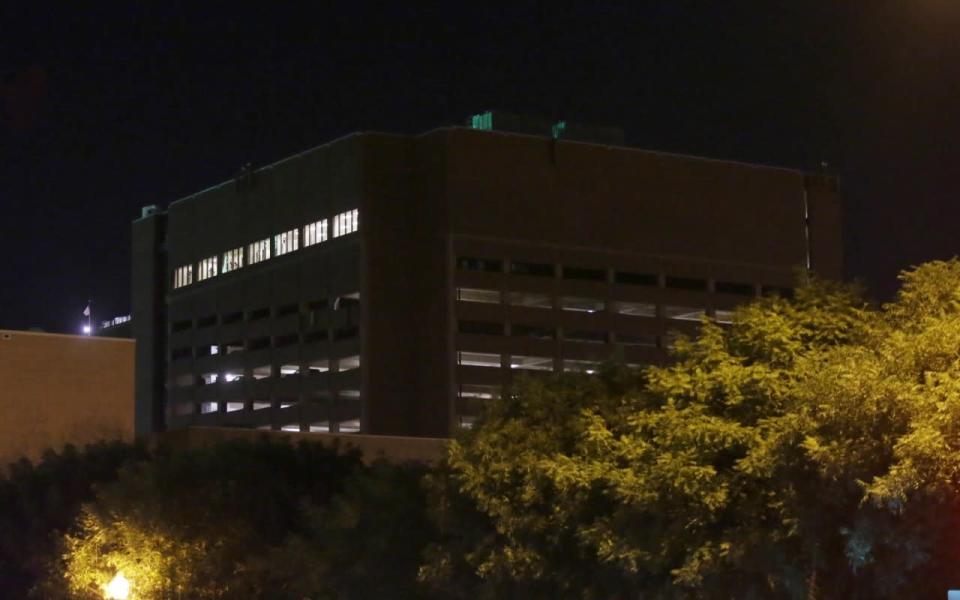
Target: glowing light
[118, 589]
[87, 330]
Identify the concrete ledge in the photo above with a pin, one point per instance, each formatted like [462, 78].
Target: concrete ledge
[395, 449]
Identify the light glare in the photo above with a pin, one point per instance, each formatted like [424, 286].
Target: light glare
[119, 588]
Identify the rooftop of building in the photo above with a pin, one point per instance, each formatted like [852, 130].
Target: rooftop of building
[503, 124]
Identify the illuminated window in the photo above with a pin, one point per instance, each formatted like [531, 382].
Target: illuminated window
[467, 421]
[231, 377]
[348, 363]
[321, 427]
[475, 295]
[483, 392]
[258, 251]
[319, 366]
[207, 350]
[234, 406]
[285, 242]
[683, 313]
[346, 222]
[207, 268]
[478, 359]
[531, 363]
[208, 407]
[314, 233]
[182, 276]
[261, 406]
[208, 378]
[584, 366]
[291, 427]
[232, 260]
[723, 316]
[351, 426]
[529, 300]
[635, 309]
[262, 372]
[587, 305]
[287, 370]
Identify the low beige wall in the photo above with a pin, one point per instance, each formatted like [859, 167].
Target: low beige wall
[60, 389]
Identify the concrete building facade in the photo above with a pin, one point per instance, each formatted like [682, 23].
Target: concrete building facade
[63, 389]
[390, 284]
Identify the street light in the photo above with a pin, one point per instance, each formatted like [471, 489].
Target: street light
[118, 589]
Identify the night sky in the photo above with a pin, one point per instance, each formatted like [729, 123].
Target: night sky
[107, 110]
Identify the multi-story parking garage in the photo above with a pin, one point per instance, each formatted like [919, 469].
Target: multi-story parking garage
[390, 284]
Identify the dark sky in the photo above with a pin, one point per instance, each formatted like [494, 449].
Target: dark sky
[106, 110]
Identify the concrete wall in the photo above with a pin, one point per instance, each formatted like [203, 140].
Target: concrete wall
[60, 389]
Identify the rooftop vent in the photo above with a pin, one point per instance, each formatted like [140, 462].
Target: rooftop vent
[493, 120]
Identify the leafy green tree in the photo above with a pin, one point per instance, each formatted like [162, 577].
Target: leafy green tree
[251, 520]
[366, 543]
[190, 523]
[39, 501]
[807, 451]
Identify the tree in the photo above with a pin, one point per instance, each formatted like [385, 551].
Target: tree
[809, 450]
[190, 523]
[39, 501]
[251, 520]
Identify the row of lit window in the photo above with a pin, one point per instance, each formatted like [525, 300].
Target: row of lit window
[543, 332]
[282, 243]
[279, 341]
[535, 269]
[587, 305]
[528, 363]
[315, 367]
[346, 426]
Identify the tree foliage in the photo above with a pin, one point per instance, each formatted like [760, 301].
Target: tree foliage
[39, 501]
[809, 450]
[249, 520]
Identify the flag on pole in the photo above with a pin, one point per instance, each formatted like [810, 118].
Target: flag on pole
[86, 311]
